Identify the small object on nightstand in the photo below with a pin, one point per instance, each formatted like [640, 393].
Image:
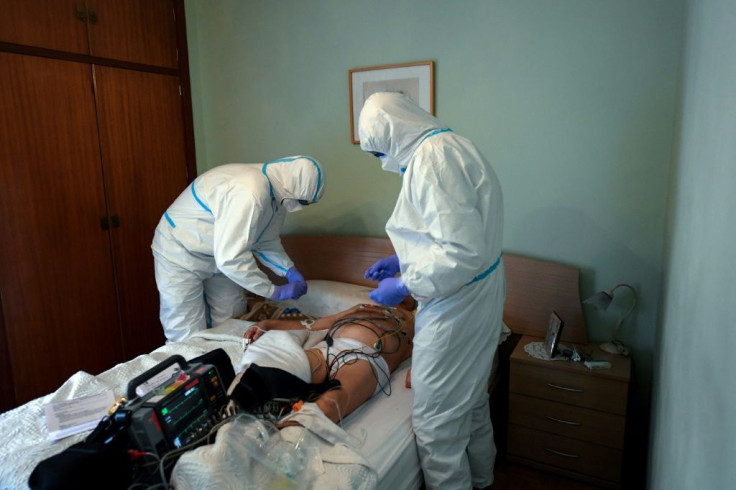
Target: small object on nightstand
[554, 333]
[597, 364]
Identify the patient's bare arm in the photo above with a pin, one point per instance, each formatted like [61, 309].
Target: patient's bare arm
[254, 332]
[357, 385]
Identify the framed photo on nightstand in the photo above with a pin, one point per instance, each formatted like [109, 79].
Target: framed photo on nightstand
[554, 332]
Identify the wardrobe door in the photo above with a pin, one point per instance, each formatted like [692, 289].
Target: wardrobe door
[139, 31]
[142, 140]
[57, 24]
[56, 275]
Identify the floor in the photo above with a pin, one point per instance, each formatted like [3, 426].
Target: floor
[511, 476]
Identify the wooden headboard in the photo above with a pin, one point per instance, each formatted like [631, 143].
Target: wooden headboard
[534, 288]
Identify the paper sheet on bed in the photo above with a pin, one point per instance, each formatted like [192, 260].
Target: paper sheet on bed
[68, 417]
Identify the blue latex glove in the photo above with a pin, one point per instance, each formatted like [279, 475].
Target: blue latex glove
[390, 292]
[293, 290]
[383, 268]
[293, 275]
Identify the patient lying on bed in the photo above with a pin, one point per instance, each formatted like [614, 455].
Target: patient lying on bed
[361, 348]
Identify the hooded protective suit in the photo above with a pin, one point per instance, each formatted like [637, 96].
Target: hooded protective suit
[446, 229]
[206, 244]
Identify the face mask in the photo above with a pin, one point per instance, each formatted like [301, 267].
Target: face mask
[389, 164]
[292, 205]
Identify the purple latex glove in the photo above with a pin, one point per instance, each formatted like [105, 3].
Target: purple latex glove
[383, 268]
[390, 292]
[293, 290]
[293, 275]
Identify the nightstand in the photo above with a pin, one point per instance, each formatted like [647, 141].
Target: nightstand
[567, 419]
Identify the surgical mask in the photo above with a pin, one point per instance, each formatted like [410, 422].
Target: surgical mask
[388, 163]
[292, 205]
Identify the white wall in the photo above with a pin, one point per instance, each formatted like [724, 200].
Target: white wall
[694, 409]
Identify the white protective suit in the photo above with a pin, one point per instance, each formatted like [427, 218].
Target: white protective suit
[446, 229]
[206, 244]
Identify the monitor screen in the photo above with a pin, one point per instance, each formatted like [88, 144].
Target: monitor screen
[183, 412]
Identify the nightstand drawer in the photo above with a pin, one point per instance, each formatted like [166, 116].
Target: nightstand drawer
[588, 425]
[569, 387]
[573, 455]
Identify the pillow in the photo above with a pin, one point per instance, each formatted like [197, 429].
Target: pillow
[329, 297]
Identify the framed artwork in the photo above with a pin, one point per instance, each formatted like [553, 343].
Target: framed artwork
[554, 332]
[413, 79]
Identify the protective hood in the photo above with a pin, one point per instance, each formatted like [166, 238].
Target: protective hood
[392, 124]
[292, 179]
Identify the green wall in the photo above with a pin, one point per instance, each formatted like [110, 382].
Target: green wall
[573, 101]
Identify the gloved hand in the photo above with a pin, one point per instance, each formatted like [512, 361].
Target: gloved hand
[293, 275]
[390, 292]
[293, 290]
[383, 268]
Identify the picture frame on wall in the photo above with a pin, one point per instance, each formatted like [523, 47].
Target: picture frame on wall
[414, 79]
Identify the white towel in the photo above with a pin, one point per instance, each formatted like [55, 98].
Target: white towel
[279, 349]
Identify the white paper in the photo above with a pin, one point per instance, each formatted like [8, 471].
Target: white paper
[156, 381]
[67, 417]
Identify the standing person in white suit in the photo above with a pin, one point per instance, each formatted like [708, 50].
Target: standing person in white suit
[446, 229]
[206, 244]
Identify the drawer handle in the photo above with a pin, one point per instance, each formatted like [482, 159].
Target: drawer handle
[564, 388]
[560, 453]
[560, 421]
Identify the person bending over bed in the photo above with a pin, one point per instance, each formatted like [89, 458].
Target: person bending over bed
[208, 243]
[362, 347]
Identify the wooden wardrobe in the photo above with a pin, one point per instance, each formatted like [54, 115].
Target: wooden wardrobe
[96, 141]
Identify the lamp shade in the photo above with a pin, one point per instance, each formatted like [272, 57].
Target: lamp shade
[600, 300]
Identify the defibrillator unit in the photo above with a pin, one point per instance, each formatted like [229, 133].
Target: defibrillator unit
[179, 411]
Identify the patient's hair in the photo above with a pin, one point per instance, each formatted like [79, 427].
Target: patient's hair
[409, 303]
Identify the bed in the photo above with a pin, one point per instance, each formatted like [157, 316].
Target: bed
[381, 426]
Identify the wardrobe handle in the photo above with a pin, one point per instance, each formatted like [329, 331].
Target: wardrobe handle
[104, 223]
[564, 388]
[115, 221]
[92, 16]
[81, 12]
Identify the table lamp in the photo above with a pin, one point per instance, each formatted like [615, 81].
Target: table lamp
[601, 301]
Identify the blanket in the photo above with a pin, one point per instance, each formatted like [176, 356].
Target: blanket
[249, 453]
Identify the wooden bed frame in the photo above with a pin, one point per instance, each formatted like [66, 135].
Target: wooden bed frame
[534, 288]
